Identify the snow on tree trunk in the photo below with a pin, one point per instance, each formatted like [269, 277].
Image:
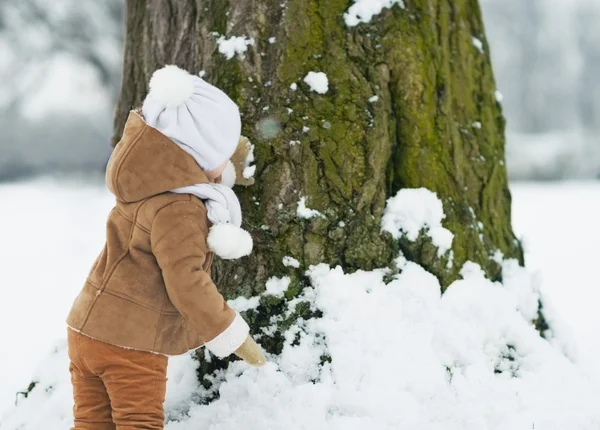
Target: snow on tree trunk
[343, 111]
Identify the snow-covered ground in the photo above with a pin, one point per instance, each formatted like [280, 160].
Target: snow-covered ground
[49, 234]
[441, 360]
[559, 224]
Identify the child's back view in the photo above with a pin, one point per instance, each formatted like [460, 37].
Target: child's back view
[149, 294]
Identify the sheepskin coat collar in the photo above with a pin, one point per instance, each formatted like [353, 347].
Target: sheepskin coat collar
[150, 288]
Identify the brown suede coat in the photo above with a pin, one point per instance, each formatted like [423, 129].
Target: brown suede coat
[150, 288]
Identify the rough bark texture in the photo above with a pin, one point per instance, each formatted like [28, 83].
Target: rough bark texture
[436, 124]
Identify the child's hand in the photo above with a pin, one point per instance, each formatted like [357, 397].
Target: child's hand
[251, 353]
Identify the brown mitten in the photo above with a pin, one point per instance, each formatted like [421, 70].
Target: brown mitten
[251, 353]
[240, 161]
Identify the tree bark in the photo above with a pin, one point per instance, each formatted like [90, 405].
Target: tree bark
[436, 124]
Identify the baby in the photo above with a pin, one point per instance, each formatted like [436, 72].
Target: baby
[149, 294]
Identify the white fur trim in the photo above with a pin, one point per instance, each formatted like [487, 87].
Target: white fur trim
[229, 176]
[229, 242]
[171, 86]
[230, 339]
[120, 346]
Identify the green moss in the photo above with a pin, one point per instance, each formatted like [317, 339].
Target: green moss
[218, 13]
[447, 134]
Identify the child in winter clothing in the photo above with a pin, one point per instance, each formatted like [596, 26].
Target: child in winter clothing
[149, 293]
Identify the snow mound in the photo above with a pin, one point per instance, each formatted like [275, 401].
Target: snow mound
[317, 81]
[400, 355]
[412, 210]
[365, 10]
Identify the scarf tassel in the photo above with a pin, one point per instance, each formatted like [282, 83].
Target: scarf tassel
[229, 242]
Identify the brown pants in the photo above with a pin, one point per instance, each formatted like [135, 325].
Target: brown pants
[116, 388]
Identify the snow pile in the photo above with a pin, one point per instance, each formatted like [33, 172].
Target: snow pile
[317, 81]
[365, 10]
[399, 356]
[234, 45]
[413, 210]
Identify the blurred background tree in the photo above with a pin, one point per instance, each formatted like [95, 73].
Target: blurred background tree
[60, 66]
[60, 74]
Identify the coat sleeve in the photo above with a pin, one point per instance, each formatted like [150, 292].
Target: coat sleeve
[178, 239]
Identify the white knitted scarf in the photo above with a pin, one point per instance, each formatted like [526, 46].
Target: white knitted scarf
[226, 238]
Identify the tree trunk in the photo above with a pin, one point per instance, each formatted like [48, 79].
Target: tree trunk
[435, 124]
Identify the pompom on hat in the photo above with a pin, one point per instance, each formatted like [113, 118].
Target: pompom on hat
[198, 116]
[205, 123]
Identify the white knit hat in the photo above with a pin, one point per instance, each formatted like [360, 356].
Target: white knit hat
[198, 116]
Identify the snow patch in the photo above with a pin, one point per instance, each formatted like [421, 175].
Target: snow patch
[249, 172]
[412, 210]
[365, 10]
[498, 256]
[477, 43]
[291, 262]
[249, 169]
[306, 213]
[472, 270]
[317, 81]
[234, 45]
[242, 304]
[277, 286]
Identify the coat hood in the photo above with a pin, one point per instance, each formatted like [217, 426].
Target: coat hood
[145, 163]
